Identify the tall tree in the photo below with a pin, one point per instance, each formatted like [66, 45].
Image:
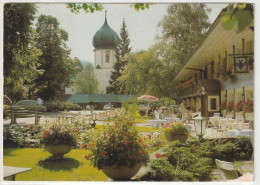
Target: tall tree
[55, 61]
[143, 74]
[183, 28]
[122, 49]
[20, 53]
[86, 82]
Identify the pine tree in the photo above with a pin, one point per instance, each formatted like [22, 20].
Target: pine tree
[121, 50]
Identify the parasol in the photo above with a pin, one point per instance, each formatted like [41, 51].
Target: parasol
[148, 98]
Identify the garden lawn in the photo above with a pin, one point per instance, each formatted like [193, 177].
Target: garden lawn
[74, 167]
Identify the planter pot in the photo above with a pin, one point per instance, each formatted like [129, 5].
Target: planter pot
[249, 116]
[121, 172]
[239, 114]
[223, 113]
[58, 151]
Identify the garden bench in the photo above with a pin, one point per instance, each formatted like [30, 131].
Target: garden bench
[19, 112]
[11, 171]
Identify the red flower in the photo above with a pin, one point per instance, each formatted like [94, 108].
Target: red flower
[129, 123]
[126, 141]
[46, 134]
[150, 136]
[76, 130]
[143, 152]
[145, 145]
[158, 155]
[87, 156]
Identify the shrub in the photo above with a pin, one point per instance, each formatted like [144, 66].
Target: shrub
[239, 106]
[176, 131]
[119, 144]
[142, 112]
[20, 136]
[6, 112]
[180, 163]
[248, 106]
[230, 106]
[70, 106]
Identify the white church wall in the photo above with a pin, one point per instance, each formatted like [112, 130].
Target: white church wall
[103, 77]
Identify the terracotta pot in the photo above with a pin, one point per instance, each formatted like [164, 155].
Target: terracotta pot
[121, 172]
[58, 151]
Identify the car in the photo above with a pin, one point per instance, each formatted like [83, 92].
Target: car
[108, 107]
[30, 105]
[52, 105]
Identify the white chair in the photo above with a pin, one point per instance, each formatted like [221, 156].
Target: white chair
[216, 114]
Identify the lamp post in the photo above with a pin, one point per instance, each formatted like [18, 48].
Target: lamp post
[69, 119]
[108, 114]
[200, 124]
[94, 120]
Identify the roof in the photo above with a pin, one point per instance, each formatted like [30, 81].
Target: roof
[98, 98]
[105, 37]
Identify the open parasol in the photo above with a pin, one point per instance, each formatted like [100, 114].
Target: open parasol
[148, 98]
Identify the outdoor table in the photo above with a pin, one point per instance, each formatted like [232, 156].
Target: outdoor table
[233, 126]
[245, 132]
[10, 172]
[224, 122]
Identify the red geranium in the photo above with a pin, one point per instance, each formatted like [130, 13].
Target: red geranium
[158, 155]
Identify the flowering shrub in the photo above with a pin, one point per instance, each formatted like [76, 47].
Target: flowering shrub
[230, 106]
[223, 105]
[59, 134]
[119, 145]
[239, 106]
[176, 131]
[248, 106]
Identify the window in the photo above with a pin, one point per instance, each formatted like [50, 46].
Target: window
[107, 56]
[213, 103]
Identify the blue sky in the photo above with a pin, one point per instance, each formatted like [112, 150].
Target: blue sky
[141, 25]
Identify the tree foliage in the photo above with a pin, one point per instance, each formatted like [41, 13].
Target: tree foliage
[122, 49]
[55, 61]
[86, 82]
[75, 8]
[20, 53]
[242, 14]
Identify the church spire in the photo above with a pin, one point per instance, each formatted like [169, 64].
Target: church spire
[105, 16]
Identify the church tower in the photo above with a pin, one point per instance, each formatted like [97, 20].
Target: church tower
[104, 42]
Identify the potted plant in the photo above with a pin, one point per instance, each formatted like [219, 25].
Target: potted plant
[176, 131]
[59, 139]
[222, 108]
[142, 112]
[230, 107]
[248, 108]
[118, 150]
[239, 109]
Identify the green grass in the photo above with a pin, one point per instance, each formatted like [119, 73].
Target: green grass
[144, 129]
[74, 167]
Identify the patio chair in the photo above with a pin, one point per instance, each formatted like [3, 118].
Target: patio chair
[227, 170]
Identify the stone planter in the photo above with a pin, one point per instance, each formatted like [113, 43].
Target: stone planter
[121, 172]
[249, 116]
[58, 151]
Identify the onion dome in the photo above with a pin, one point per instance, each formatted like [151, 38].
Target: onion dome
[105, 37]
